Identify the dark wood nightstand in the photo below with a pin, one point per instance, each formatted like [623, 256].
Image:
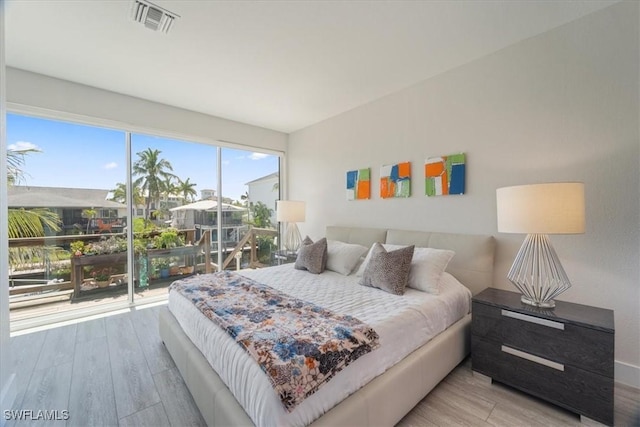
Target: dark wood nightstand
[564, 355]
[284, 257]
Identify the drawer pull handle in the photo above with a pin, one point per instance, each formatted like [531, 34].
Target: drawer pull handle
[532, 358]
[532, 319]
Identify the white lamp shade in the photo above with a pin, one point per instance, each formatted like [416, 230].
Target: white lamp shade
[552, 208]
[290, 211]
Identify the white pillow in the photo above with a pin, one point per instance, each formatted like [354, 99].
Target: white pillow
[363, 264]
[343, 257]
[427, 266]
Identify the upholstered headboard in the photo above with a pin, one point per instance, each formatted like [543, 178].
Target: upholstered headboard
[472, 265]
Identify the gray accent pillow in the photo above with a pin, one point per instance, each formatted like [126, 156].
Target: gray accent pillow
[388, 271]
[312, 256]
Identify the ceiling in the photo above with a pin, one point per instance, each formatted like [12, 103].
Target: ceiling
[282, 65]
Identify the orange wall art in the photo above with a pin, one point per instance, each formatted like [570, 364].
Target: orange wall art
[395, 180]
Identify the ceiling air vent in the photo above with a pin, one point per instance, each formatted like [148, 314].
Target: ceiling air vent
[153, 17]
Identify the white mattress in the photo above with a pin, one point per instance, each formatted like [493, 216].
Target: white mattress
[403, 323]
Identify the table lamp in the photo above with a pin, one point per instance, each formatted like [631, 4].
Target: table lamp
[539, 210]
[291, 212]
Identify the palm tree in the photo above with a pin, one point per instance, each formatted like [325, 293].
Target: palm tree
[23, 222]
[32, 222]
[26, 222]
[15, 161]
[120, 194]
[89, 214]
[152, 172]
[187, 190]
[168, 189]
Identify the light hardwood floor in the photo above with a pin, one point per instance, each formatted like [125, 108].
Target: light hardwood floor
[115, 371]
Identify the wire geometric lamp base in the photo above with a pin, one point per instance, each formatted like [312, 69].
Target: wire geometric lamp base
[537, 272]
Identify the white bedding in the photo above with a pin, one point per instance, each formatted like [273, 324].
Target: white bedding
[403, 323]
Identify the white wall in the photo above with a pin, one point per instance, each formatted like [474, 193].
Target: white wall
[561, 106]
[44, 94]
[7, 376]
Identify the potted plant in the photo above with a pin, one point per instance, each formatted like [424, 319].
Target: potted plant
[112, 245]
[77, 248]
[153, 272]
[102, 276]
[162, 266]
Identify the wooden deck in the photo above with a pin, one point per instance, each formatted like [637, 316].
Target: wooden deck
[63, 301]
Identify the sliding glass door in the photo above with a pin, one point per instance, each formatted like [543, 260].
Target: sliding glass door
[101, 216]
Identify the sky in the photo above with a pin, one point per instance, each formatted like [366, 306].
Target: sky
[79, 156]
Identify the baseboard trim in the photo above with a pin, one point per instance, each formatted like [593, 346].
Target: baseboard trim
[626, 373]
[7, 396]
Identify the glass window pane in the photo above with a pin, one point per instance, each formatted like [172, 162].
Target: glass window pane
[173, 182]
[67, 247]
[250, 187]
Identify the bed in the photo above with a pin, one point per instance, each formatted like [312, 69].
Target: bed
[375, 403]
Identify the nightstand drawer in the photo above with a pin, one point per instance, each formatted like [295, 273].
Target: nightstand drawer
[565, 343]
[578, 390]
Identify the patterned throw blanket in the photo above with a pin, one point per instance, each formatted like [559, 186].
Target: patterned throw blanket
[299, 345]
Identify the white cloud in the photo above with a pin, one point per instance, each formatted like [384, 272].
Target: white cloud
[23, 146]
[110, 165]
[258, 156]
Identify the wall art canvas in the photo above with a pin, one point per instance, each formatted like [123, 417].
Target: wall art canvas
[359, 184]
[445, 175]
[395, 180]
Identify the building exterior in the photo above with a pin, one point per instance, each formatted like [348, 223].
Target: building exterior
[265, 189]
[203, 215]
[207, 194]
[69, 204]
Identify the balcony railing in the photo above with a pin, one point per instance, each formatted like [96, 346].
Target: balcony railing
[53, 274]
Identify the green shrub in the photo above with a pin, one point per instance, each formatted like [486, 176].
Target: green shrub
[169, 238]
